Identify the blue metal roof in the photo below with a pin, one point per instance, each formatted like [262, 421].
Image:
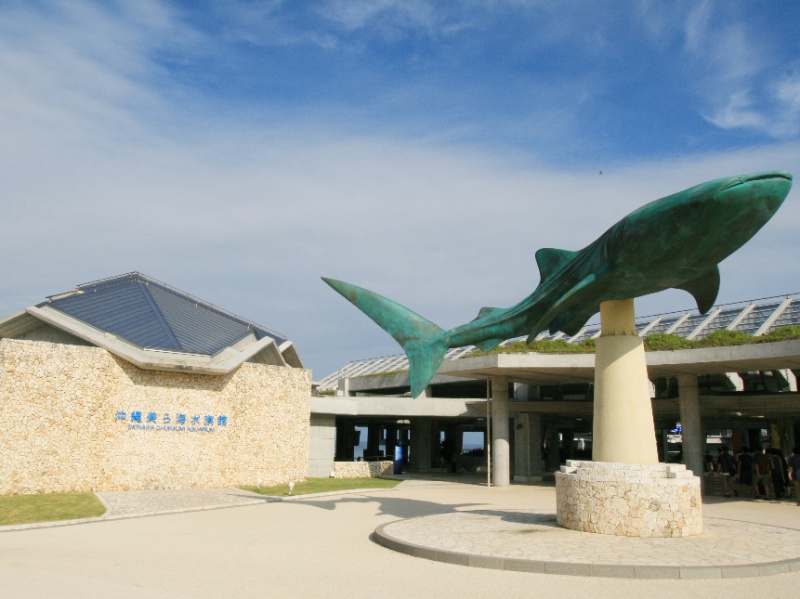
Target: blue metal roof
[153, 315]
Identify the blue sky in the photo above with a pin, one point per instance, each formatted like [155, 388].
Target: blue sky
[241, 150]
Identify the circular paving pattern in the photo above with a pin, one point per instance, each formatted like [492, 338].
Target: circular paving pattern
[532, 541]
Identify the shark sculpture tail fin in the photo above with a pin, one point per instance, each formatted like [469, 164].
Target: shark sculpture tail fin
[415, 334]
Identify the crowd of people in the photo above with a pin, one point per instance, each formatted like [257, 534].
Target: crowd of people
[765, 473]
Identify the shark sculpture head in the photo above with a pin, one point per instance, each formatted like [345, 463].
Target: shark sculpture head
[725, 212]
[678, 241]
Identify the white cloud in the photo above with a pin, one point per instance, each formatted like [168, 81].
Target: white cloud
[697, 26]
[740, 75]
[102, 175]
[738, 113]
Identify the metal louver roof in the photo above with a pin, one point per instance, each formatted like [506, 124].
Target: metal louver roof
[756, 317]
[153, 315]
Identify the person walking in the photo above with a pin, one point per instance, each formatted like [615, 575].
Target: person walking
[726, 467]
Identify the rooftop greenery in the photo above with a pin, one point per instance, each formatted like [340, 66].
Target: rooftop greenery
[655, 342]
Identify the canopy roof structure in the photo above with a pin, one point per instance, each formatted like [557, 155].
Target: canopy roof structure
[756, 317]
[152, 325]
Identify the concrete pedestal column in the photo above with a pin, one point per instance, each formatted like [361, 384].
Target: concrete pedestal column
[420, 458]
[691, 426]
[501, 456]
[623, 415]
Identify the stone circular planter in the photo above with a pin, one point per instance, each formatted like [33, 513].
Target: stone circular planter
[631, 500]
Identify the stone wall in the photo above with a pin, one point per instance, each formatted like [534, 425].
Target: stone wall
[78, 418]
[631, 500]
[362, 469]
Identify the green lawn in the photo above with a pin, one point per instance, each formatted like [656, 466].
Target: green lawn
[25, 509]
[324, 485]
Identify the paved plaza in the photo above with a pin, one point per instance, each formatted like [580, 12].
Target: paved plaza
[323, 546]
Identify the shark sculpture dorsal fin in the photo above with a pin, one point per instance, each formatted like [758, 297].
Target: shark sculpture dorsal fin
[551, 260]
[704, 289]
[486, 311]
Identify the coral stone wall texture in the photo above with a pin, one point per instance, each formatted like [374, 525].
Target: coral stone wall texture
[362, 469]
[76, 418]
[630, 500]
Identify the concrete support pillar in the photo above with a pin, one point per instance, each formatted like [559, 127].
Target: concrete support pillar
[321, 445]
[528, 448]
[420, 458]
[691, 425]
[623, 414]
[501, 455]
[373, 441]
[343, 388]
[426, 393]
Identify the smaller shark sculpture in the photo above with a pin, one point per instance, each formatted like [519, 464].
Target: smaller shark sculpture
[675, 242]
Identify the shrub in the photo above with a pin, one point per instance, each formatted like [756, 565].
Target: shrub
[654, 342]
[780, 334]
[725, 338]
[664, 342]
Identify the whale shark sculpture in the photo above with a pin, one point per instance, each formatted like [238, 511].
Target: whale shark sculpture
[675, 242]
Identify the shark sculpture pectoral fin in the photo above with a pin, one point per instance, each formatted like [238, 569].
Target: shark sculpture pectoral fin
[551, 260]
[571, 322]
[489, 344]
[703, 288]
[561, 312]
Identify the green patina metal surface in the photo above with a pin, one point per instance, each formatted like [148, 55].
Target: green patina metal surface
[675, 242]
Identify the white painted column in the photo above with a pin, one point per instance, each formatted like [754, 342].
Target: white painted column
[623, 414]
[691, 425]
[501, 461]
